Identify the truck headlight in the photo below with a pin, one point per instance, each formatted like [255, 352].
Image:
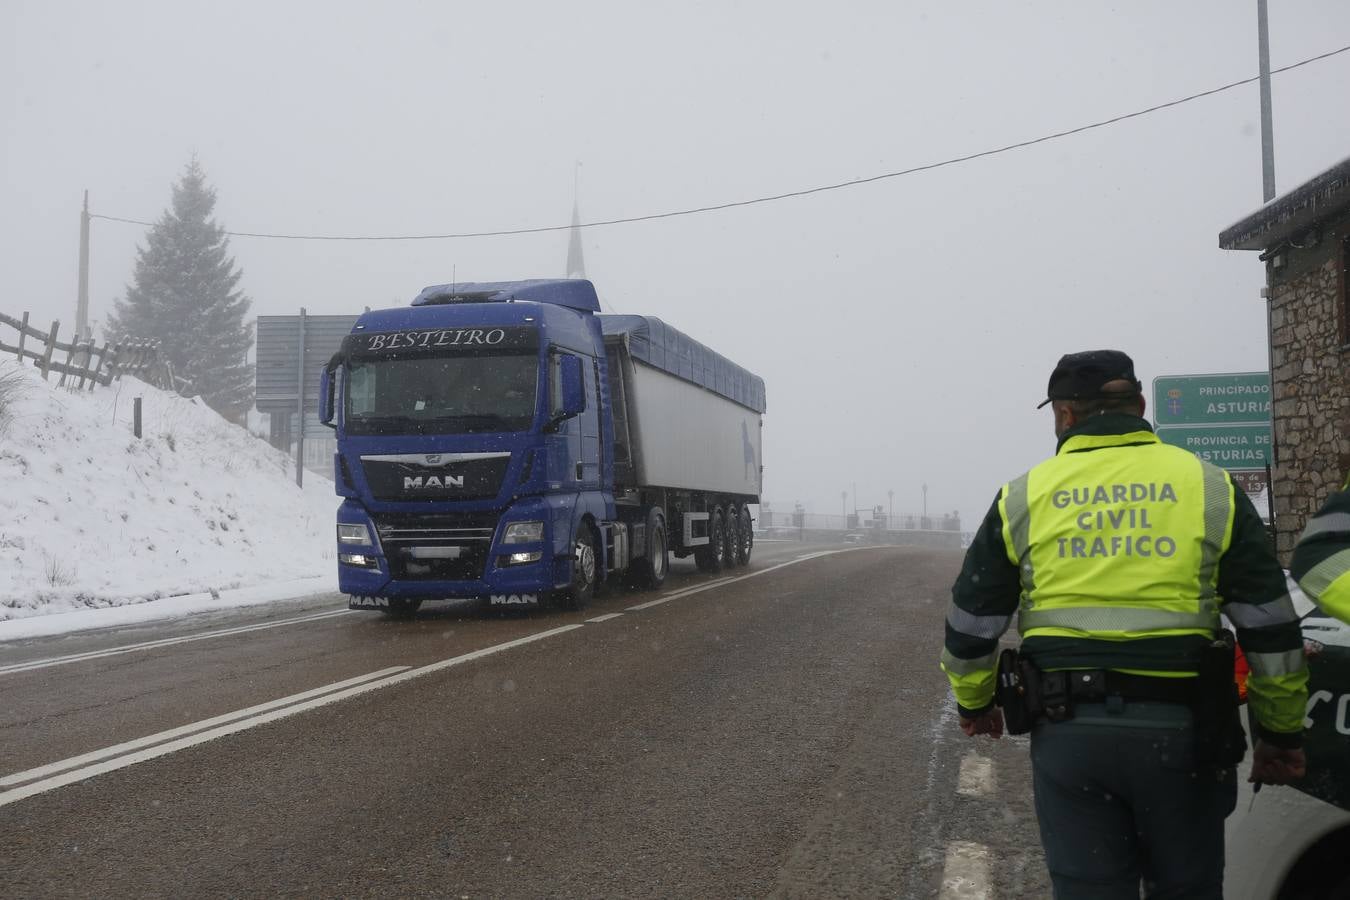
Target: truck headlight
[353, 534]
[523, 533]
[520, 559]
[359, 560]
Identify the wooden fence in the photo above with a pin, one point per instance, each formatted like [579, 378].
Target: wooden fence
[86, 362]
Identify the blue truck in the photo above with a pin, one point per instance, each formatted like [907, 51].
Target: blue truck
[508, 443]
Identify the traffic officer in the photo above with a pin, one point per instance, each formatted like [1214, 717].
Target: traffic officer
[1117, 554]
[1321, 562]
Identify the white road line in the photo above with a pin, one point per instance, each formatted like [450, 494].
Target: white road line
[650, 603]
[32, 664]
[118, 749]
[605, 618]
[683, 592]
[121, 762]
[722, 582]
[965, 872]
[977, 776]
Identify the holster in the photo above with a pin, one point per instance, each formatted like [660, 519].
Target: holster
[1220, 742]
[1018, 691]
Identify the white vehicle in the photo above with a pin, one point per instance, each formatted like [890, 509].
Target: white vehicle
[1293, 843]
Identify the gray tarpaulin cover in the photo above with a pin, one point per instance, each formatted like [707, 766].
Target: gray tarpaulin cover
[657, 344]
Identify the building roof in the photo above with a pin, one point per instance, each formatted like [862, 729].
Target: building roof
[1292, 212]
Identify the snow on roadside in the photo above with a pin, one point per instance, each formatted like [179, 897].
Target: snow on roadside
[96, 518]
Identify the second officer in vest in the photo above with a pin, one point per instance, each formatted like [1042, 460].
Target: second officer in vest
[1117, 555]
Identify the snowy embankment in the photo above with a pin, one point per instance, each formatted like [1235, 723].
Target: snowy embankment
[196, 507]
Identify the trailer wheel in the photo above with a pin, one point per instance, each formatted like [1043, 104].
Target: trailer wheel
[649, 572]
[402, 607]
[579, 594]
[747, 541]
[712, 555]
[731, 538]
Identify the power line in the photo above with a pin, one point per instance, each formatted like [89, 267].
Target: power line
[787, 195]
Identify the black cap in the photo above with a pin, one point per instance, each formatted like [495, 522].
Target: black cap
[1081, 376]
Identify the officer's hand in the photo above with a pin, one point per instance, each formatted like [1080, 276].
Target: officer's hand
[1276, 765]
[990, 723]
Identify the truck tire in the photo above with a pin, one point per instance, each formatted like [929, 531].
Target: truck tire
[402, 607]
[711, 557]
[649, 572]
[731, 537]
[747, 541]
[585, 573]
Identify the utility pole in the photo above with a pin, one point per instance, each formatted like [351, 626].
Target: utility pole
[1267, 194]
[1267, 126]
[82, 299]
[925, 506]
[300, 410]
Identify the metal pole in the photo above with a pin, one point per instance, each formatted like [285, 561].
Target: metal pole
[1267, 127]
[1270, 507]
[300, 410]
[136, 417]
[82, 298]
[1268, 194]
[925, 506]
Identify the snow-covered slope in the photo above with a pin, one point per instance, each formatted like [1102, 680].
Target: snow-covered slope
[94, 517]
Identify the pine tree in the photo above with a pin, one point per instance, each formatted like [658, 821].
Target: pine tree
[184, 293]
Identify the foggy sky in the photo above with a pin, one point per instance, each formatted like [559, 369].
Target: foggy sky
[905, 329]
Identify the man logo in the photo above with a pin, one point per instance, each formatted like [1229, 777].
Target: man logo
[433, 459]
[355, 601]
[513, 599]
[418, 482]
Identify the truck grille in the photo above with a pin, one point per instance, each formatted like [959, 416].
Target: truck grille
[436, 548]
[436, 476]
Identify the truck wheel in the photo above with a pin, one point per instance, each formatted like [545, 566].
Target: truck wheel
[731, 538]
[402, 607]
[747, 541]
[712, 555]
[649, 572]
[584, 574]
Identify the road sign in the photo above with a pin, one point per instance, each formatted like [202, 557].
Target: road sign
[1211, 399]
[1226, 446]
[1252, 481]
[277, 376]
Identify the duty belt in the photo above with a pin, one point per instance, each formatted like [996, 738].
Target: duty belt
[1089, 685]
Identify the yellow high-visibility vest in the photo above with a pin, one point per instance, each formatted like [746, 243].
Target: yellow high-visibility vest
[1118, 544]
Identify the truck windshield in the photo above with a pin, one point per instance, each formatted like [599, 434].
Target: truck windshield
[441, 394]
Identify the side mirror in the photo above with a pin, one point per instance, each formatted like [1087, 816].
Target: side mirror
[569, 393]
[327, 384]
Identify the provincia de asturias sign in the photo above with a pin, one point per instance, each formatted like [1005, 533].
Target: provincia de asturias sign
[1222, 418]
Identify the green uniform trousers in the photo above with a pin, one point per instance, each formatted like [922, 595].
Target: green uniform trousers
[1120, 803]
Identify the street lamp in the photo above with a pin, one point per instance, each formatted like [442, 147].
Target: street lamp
[925, 504]
[890, 510]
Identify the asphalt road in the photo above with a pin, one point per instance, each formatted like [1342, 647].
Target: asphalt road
[784, 733]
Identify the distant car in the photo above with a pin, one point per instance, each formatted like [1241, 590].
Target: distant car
[855, 537]
[1293, 842]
